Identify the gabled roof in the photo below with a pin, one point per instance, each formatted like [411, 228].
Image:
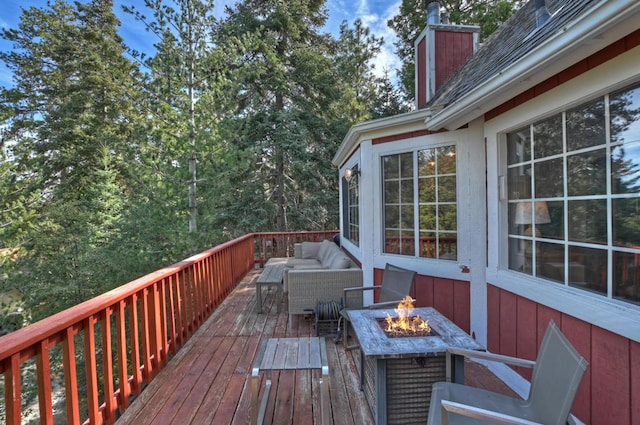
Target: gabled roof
[517, 57]
[521, 52]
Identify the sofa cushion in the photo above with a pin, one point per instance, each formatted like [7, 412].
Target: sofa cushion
[340, 262]
[325, 248]
[296, 262]
[310, 250]
[328, 258]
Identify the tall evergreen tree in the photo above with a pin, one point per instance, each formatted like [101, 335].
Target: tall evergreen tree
[281, 139]
[184, 82]
[355, 54]
[72, 117]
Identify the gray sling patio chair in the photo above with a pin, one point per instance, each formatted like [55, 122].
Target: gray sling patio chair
[557, 373]
[396, 284]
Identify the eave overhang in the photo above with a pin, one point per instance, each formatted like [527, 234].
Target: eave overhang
[388, 126]
[603, 24]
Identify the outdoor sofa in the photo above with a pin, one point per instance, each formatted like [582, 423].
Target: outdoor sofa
[319, 272]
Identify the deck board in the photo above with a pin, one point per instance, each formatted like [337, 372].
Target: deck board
[208, 380]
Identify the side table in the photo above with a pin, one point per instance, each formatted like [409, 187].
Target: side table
[289, 354]
[271, 276]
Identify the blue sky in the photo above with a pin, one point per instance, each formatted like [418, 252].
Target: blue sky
[373, 13]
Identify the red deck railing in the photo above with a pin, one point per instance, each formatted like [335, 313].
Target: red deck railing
[127, 335]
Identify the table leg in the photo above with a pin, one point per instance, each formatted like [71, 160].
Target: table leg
[254, 395]
[259, 298]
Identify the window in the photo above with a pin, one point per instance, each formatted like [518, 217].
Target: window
[420, 210]
[351, 205]
[573, 185]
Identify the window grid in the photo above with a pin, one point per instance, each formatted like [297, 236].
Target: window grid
[424, 199]
[571, 238]
[354, 209]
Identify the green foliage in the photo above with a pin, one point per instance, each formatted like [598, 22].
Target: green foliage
[97, 139]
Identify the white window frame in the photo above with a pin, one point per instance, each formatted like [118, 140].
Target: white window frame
[445, 268]
[619, 317]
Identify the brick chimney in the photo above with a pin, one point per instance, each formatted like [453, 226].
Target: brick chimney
[440, 50]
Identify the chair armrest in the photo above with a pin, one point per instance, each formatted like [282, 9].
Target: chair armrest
[481, 414]
[485, 355]
[346, 292]
[386, 304]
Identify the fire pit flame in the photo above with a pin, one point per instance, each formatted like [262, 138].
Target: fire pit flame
[406, 324]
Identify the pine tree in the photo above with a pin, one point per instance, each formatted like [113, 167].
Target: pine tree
[71, 117]
[280, 139]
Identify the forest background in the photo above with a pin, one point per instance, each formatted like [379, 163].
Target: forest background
[114, 162]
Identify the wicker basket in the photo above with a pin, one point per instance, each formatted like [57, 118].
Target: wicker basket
[327, 315]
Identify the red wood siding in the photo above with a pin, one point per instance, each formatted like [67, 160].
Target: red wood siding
[449, 296]
[621, 46]
[421, 73]
[452, 49]
[635, 382]
[610, 390]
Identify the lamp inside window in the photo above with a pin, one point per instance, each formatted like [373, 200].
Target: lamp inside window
[528, 213]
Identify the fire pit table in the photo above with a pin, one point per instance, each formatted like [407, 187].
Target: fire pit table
[397, 372]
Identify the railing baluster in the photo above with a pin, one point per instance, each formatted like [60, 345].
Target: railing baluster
[146, 349]
[91, 371]
[163, 310]
[123, 376]
[70, 376]
[107, 368]
[136, 363]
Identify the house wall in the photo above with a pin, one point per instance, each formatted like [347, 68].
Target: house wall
[610, 390]
[605, 331]
[505, 310]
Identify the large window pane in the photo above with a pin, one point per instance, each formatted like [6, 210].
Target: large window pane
[548, 178]
[427, 188]
[447, 189]
[588, 221]
[406, 165]
[447, 217]
[626, 276]
[547, 137]
[585, 126]
[353, 207]
[588, 268]
[519, 146]
[550, 261]
[624, 110]
[587, 173]
[625, 168]
[428, 244]
[551, 225]
[519, 182]
[520, 255]
[626, 223]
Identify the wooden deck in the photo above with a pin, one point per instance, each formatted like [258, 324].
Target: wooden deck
[208, 381]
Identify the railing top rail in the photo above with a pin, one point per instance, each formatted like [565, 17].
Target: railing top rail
[23, 338]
